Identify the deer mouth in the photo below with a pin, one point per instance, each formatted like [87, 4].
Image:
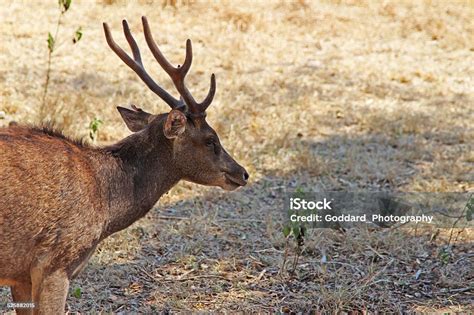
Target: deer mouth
[234, 181]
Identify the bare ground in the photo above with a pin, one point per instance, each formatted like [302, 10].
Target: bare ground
[345, 95]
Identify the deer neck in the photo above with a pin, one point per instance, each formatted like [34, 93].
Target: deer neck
[143, 172]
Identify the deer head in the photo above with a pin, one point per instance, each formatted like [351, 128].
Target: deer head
[196, 150]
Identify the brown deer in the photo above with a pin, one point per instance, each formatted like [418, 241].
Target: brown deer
[59, 198]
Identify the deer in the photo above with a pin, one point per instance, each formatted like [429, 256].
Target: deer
[60, 197]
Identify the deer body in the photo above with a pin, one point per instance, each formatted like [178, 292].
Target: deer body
[59, 198]
[76, 198]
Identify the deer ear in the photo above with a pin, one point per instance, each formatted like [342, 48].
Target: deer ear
[175, 124]
[136, 119]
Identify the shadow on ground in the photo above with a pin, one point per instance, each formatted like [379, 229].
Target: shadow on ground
[225, 251]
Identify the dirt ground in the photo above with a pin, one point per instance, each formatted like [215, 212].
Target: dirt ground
[311, 95]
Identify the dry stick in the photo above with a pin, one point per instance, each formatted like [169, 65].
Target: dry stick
[48, 69]
[457, 220]
[164, 217]
[280, 273]
[344, 264]
[376, 252]
[202, 302]
[119, 308]
[147, 273]
[268, 250]
[457, 290]
[260, 276]
[296, 259]
[197, 277]
[371, 278]
[457, 235]
[239, 220]
[185, 274]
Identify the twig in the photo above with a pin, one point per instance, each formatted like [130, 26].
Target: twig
[260, 276]
[240, 220]
[343, 264]
[196, 277]
[376, 252]
[457, 220]
[48, 69]
[285, 257]
[269, 250]
[186, 273]
[469, 255]
[296, 259]
[377, 274]
[147, 273]
[200, 302]
[164, 217]
[457, 290]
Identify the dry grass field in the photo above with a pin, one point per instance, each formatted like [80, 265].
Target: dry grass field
[316, 95]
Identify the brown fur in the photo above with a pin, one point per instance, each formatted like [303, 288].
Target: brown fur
[59, 197]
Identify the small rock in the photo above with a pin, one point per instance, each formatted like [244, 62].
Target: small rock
[2, 114]
[244, 199]
[418, 273]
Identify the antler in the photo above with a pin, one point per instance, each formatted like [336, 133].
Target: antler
[136, 64]
[177, 74]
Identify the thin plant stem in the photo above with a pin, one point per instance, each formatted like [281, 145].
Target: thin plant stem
[296, 259]
[463, 214]
[285, 257]
[48, 69]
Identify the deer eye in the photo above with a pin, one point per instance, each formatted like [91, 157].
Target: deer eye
[210, 142]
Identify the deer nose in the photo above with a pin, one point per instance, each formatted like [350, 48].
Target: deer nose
[246, 176]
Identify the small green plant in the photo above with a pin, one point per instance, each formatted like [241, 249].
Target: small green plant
[77, 293]
[297, 231]
[94, 128]
[64, 6]
[444, 255]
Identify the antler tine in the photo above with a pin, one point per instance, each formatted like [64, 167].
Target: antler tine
[164, 63]
[210, 95]
[133, 44]
[178, 74]
[136, 64]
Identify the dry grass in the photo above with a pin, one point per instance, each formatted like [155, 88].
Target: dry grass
[328, 95]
